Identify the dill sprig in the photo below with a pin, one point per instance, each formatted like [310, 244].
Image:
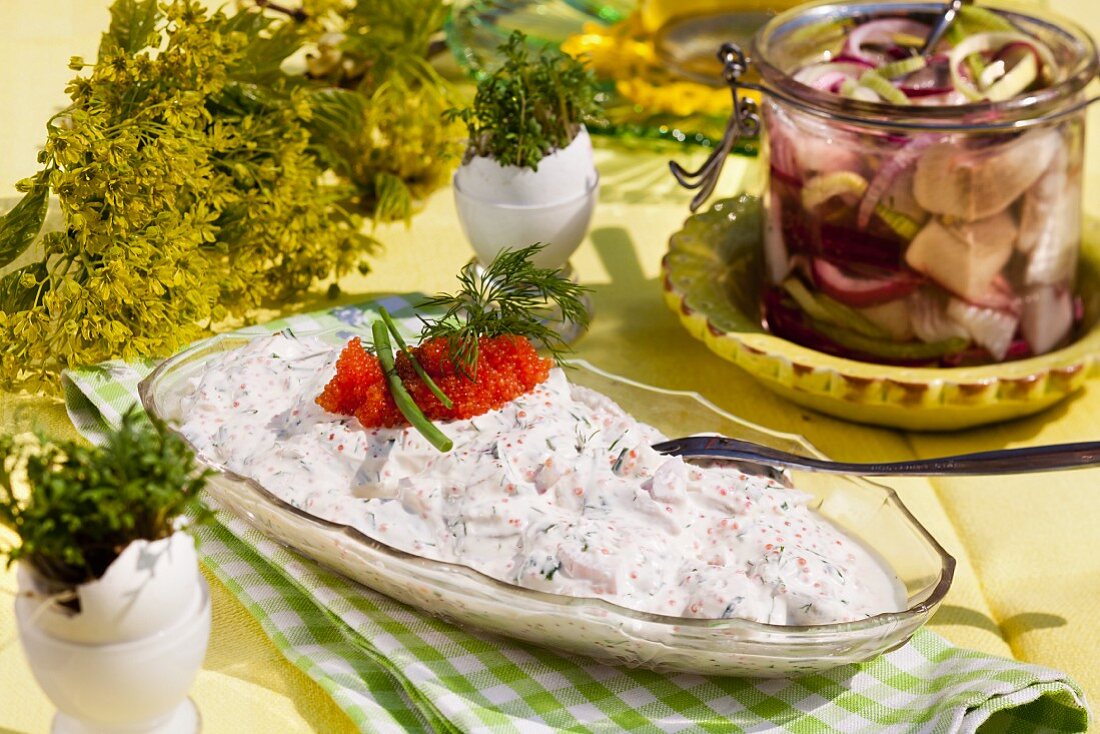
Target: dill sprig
[510, 296]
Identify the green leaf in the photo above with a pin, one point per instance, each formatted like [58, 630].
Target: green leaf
[20, 225]
[243, 98]
[336, 127]
[249, 22]
[264, 52]
[132, 21]
[14, 295]
[392, 200]
[338, 114]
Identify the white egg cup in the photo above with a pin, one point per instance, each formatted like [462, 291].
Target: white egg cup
[502, 207]
[125, 662]
[509, 207]
[492, 226]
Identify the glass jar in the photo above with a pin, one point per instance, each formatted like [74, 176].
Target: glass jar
[930, 234]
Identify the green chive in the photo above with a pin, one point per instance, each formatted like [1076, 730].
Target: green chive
[402, 346]
[401, 397]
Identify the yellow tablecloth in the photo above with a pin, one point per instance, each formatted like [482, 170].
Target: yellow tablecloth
[1028, 583]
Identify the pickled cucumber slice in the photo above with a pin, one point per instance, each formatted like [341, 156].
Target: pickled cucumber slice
[973, 19]
[880, 85]
[821, 188]
[854, 90]
[902, 67]
[907, 351]
[908, 40]
[902, 225]
[820, 307]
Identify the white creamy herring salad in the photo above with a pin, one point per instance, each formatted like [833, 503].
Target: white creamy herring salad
[558, 491]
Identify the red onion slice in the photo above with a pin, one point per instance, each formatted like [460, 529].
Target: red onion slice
[880, 33]
[890, 170]
[1011, 54]
[860, 292]
[994, 41]
[845, 59]
[830, 74]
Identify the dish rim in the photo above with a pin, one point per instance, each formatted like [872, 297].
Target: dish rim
[147, 396]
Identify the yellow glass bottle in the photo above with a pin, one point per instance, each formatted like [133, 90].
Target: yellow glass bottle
[656, 14]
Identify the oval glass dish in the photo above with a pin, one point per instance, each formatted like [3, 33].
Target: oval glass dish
[712, 276]
[593, 627]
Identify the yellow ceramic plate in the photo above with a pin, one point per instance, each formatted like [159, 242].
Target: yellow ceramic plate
[712, 278]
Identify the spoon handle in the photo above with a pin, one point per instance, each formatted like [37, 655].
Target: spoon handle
[1002, 461]
[950, 10]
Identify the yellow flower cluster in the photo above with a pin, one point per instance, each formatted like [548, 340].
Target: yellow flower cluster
[624, 52]
[190, 192]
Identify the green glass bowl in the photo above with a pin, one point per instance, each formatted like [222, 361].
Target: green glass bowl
[712, 276]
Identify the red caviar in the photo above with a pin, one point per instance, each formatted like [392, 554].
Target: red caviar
[507, 367]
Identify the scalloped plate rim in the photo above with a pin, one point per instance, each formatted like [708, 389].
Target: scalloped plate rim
[1076, 362]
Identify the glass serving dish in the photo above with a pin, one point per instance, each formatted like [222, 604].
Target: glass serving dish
[925, 233]
[867, 511]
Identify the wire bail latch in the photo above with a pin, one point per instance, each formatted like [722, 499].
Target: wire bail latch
[744, 121]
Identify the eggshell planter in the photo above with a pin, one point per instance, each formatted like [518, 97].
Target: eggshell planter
[502, 207]
[125, 661]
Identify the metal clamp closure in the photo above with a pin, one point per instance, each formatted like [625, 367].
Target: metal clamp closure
[744, 122]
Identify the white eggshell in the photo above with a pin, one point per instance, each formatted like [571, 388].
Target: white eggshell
[563, 175]
[149, 587]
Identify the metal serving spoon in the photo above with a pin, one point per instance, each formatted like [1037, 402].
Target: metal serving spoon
[950, 10]
[1002, 461]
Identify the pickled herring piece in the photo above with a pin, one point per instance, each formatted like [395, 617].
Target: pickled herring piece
[776, 256]
[929, 319]
[1053, 260]
[971, 184]
[1036, 221]
[964, 258]
[988, 327]
[892, 317]
[1050, 225]
[1048, 317]
[1000, 297]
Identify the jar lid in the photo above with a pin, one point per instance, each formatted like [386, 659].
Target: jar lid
[787, 44]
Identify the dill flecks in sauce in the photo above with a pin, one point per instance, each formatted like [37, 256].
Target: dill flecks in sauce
[559, 491]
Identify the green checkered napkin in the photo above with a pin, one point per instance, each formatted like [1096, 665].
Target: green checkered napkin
[394, 669]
